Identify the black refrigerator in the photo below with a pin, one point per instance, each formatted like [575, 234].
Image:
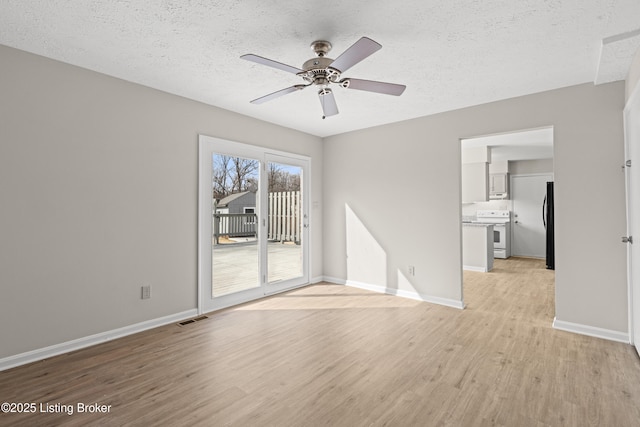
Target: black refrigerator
[547, 218]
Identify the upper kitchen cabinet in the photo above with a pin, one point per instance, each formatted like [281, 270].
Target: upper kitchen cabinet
[475, 182]
[499, 180]
[475, 174]
[498, 186]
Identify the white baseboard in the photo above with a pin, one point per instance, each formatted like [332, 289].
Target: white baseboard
[77, 344]
[591, 331]
[427, 298]
[473, 268]
[334, 280]
[315, 280]
[397, 292]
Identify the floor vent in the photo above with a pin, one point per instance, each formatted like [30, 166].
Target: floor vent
[194, 320]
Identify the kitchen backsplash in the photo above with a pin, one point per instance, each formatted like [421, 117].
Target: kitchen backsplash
[470, 209]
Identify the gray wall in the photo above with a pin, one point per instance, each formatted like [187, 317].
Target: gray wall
[416, 164]
[522, 167]
[98, 183]
[98, 190]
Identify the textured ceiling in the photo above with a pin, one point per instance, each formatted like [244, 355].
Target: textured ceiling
[450, 54]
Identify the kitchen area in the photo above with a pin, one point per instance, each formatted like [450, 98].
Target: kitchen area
[485, 237]
[492, 221]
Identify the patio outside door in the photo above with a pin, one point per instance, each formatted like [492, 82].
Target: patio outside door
[253, 223]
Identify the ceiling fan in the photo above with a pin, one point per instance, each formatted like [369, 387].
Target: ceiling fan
[322, 72]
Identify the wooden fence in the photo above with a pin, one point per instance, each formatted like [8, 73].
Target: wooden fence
[284, 217]
[284, 221]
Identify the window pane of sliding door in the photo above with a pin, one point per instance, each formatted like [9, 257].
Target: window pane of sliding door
[285, 222]
[235, 225]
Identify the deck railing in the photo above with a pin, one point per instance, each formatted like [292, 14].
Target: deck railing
[283, 222]
[234, 225]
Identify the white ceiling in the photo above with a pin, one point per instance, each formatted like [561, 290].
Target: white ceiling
[450, 54]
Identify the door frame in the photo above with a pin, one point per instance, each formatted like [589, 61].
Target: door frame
[633, 104]
[207, 145]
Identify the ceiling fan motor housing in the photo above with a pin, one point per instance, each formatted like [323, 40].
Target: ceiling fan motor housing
[318, 71]
[321, 47]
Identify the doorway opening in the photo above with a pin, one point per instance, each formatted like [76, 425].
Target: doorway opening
[507, 218]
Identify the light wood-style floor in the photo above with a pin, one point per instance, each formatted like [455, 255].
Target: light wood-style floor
[329, 355]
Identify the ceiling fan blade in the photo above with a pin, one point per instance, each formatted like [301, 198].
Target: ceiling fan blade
[328, 102]
[373, 86]
[271, 63]
[356, 53]
[278, 94]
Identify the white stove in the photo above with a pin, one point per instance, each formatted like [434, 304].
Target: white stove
[501, 221]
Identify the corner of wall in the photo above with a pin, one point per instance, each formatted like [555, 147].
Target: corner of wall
[633, 77]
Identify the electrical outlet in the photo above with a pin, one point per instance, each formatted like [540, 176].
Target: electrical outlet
[412, 270]
[146, 292]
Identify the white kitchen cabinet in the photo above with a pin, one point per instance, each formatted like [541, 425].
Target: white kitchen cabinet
[475, 182]
[499, 186]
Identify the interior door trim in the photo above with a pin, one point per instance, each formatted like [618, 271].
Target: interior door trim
[633, 104]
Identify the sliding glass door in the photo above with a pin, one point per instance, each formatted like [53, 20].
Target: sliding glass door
[234, 239]
[253, 223]
[287, 222]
